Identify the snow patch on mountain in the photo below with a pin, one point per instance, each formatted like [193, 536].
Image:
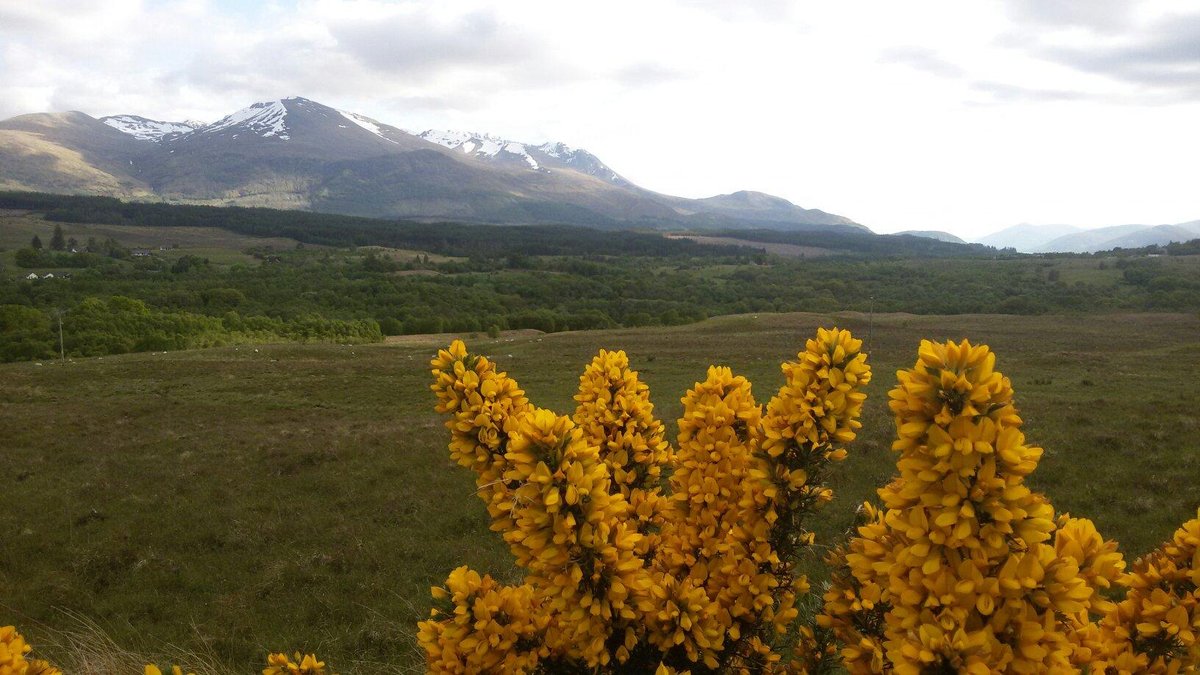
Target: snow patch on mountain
[580, 160]
[265, 119]
[520, 151]
[557, 150]
[466, 141]
[366, 123]
[145, 129]
[480, 145]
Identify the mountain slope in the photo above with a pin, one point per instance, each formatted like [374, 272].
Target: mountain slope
[1027, 238]
[1158, 235]
[298, 153]
[755, 210]
[145, 129]
[68, 152]
[934, 234]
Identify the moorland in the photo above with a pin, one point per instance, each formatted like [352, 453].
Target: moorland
[227, 501]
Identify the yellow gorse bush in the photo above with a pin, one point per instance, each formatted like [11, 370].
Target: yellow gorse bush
[1156, 627]
[965, 569]
[622, 574]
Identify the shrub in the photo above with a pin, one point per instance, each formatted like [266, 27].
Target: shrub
[621, 574]
[642, 557]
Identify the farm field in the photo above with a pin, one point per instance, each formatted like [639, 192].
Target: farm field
[232, 501]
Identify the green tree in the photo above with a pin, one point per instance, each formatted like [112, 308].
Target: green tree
[58, 242]
[36, 242]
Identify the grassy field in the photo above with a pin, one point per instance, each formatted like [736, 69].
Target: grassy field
[17, 228]
[230, 501]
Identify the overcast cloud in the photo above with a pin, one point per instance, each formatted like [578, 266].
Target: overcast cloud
[963, 116]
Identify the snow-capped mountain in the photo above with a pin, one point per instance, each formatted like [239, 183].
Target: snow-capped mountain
[544, 157]
[145, 129]
[298, 153]
[482, 145]
[264, 119]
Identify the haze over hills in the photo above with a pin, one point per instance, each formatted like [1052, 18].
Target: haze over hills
[297, 153]
[1073, 239]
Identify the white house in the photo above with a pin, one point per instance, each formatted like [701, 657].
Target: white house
[31, 276]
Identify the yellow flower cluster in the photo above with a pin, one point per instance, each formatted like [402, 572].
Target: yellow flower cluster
[13, 649]
[281, 664]
[806, 423]
[480, 401]
[13, 660]
[618, 574]
[965, 570]
[707, 552]
[574, 535]
[1156, 628]
[551, 496]
[615, 414]
[491, 628]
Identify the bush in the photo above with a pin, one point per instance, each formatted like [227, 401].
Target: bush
[640, 557]
[622, 574]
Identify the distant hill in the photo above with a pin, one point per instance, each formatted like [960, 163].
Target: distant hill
[1071, 239]
[296, 153]
[1123, 236]
[1027, 238]
[933, 234]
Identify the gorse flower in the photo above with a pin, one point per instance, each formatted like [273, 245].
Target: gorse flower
[13, 656]
[13, 649]
[615, 414]
[281, 664]
[1156, 627]
[620, 575]
[966, 569]
[488, 628]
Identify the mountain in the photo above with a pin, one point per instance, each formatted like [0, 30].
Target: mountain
[298, 153]
[1027, 238]
[1159, 235]
[1089, 240]
[934, 234]
[145, 129]
[69, 152]
[1123, 236]
[757, 208]
[1071, 239]
[544, 157]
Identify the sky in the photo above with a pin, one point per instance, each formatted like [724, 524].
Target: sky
[962, 115]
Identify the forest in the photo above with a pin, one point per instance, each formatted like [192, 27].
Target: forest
[355, 279]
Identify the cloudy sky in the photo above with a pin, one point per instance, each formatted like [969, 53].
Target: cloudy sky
[962, 115]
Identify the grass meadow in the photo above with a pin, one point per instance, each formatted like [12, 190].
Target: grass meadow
[227, 502]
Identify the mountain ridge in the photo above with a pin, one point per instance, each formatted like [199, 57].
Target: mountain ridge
[1028, 238]
[298, 153]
